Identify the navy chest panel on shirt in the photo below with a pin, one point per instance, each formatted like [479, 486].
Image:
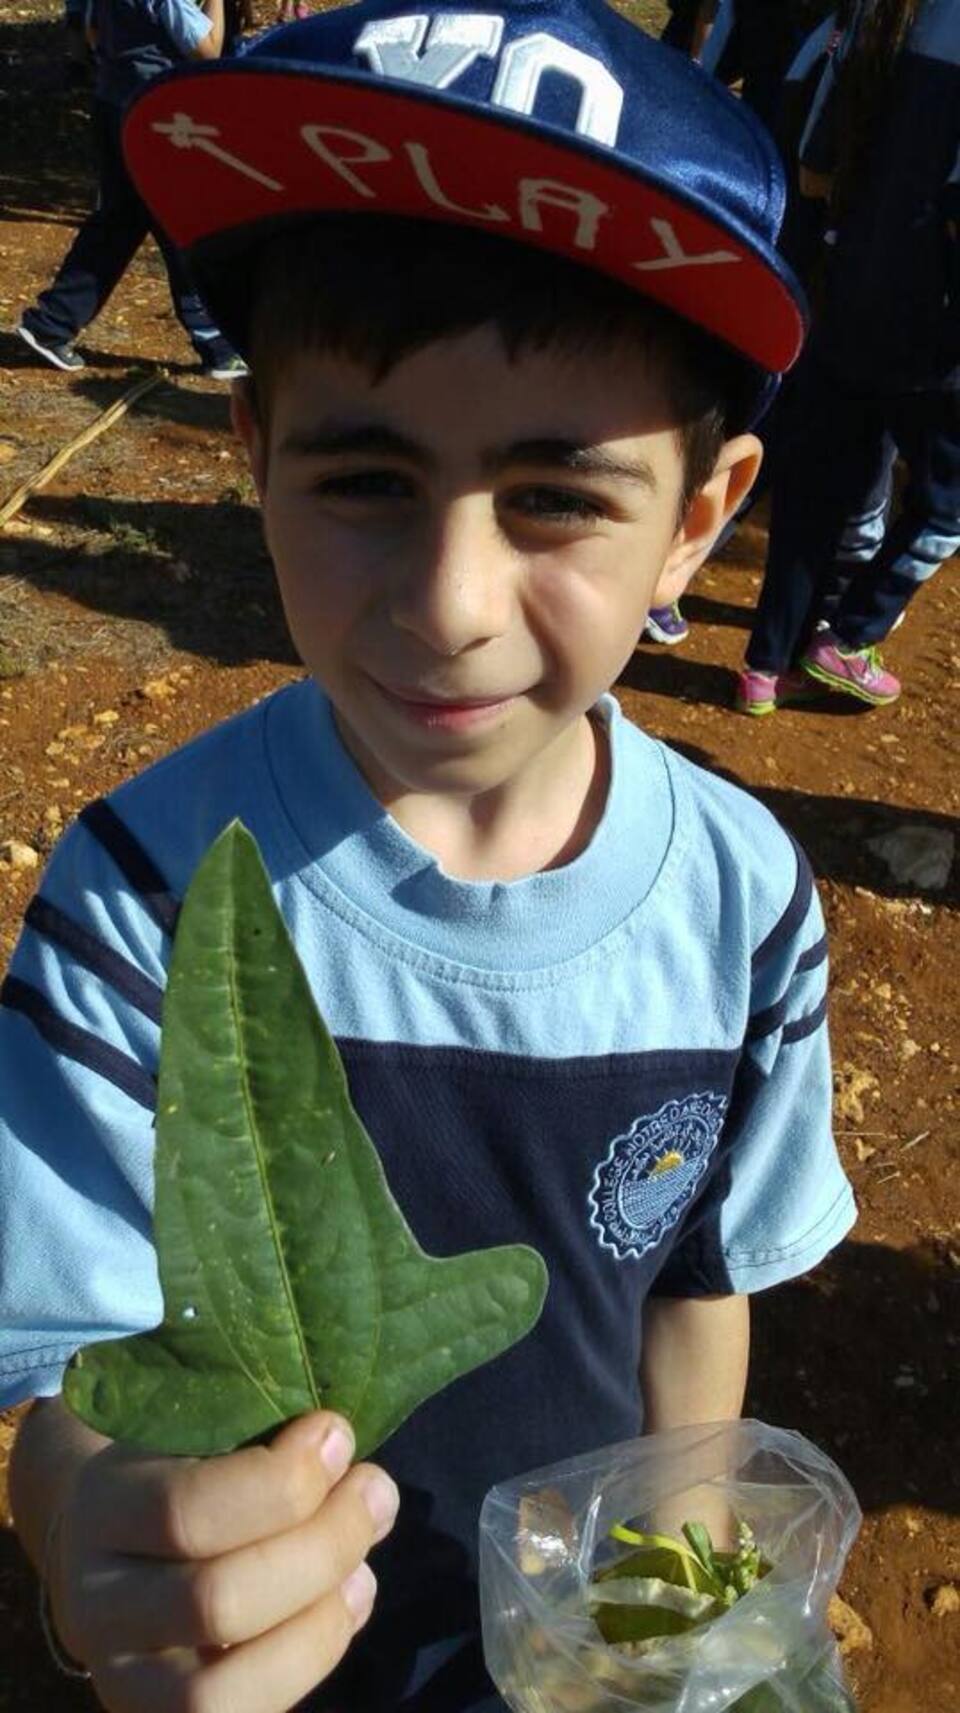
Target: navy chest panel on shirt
[600, 1164]
[598, 1159]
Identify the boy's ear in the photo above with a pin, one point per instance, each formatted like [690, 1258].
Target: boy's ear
[245, 419]
[733, 476]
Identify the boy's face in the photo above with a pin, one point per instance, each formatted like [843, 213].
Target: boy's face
[467, 550]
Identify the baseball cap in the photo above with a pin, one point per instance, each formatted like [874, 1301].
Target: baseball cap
[560, 125]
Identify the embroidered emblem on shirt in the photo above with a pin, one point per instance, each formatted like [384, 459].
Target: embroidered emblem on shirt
[650, 1174]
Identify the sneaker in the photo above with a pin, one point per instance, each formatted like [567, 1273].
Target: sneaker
[227, 369]
[62, 355]
[855, 671]
[764, 692]
[666, 624]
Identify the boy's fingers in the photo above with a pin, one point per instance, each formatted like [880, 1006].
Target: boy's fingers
[199, 1508]
[268, 1675]
[224, 1601]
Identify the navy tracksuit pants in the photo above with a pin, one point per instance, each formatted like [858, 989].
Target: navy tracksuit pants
[833, 553]
[103, 249]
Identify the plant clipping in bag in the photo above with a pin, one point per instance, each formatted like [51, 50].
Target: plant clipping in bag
[591, 1605]
[290, 1278]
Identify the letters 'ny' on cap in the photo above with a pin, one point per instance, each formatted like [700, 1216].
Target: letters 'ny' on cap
[554, 122]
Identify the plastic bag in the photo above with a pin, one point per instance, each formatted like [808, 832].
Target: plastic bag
[543, 1534]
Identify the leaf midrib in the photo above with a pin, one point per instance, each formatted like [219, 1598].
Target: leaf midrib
[250, 1106]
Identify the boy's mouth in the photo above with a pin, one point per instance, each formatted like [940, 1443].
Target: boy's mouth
[427, 708]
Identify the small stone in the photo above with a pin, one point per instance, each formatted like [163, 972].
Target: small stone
[850, 1084]
[55, 749]
[106, 717]
[944, 1600]
[917, 855]
[157, 690]
[908, 1048]
[53, 815]
[851, 1632]
[18, 854]
[863, 1150]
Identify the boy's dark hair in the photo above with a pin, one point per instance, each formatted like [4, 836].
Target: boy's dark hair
[378, 288]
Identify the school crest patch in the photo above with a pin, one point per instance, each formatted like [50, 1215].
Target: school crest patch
[650, 1174]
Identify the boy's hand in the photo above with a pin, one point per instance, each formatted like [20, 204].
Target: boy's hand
[230, 1582]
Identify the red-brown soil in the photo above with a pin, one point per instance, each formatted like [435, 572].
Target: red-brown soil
[136, 608]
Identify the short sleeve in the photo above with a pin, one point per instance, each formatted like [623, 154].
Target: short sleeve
[777, 1200]
[79, 1045]
[185, 24]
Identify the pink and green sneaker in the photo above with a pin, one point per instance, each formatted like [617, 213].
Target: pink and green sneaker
[854, 671]
[764, 692]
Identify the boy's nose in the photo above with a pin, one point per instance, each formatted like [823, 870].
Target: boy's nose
[455, 589]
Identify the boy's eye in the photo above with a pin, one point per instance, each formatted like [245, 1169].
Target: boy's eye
[366, 485]
[564, 506]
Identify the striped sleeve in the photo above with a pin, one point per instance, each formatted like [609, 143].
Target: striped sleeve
[79, 1045]
[778, 1200]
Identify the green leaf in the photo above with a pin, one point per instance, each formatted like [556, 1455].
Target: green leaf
[662, 1557]
[699, 1537]
[290, 1278]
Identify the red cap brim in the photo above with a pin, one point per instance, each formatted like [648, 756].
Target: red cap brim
[220, 152]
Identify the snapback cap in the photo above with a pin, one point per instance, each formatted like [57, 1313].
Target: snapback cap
[556, 123]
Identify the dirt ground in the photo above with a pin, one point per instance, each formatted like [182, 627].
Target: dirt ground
[136, 608]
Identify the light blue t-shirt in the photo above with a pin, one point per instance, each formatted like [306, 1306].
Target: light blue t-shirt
[622, 1061]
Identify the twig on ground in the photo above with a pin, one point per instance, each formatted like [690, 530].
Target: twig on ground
[922, 1137]
[93, 430]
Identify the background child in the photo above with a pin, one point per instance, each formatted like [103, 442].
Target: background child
[136, 40]
[882, 374]
[578, 984]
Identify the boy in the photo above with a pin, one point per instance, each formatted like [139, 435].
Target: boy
[578, 985]
[136, 41]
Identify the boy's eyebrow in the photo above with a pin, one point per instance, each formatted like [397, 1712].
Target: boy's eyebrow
[577, 459]
[377, 439]
[330, 439]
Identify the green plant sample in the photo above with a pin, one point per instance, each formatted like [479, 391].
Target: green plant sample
[290, 1278]
[667, 1586]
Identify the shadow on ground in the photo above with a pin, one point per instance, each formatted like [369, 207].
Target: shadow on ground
[860, 1357]
[834, 830]
[47, 158]
[199, 572]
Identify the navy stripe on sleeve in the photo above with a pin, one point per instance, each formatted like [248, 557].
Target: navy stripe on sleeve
[793, 916]
[813, 956]
[72, 1042]
[129, 981]
[803, 1026]
[133, 862]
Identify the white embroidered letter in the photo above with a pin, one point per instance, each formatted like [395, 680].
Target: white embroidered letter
[524, 63]
[399, 47]
[675, 256]
[427, 179]
[185, 133]
[537, 193]
[370, 152]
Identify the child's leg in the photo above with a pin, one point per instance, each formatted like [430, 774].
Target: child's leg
[103, 249]
[831, 464]
[927, 531]
[861, 540]
[211, 347]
